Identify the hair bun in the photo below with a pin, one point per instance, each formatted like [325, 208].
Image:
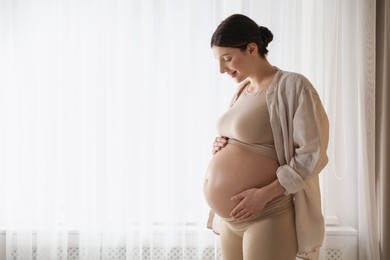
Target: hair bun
[266, 35]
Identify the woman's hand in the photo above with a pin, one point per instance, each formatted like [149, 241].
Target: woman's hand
[219, 143]
[252, 202]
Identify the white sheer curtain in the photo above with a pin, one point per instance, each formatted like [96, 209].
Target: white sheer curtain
[106, 124]
[108, 110]
[349, 77]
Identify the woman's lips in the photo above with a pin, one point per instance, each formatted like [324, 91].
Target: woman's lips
[232, 74]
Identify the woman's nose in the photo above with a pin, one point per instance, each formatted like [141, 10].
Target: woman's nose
[222, 68]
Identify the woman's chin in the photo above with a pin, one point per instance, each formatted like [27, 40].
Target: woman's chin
[238, 80]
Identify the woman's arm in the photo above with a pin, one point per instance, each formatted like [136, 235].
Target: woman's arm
[305, 140]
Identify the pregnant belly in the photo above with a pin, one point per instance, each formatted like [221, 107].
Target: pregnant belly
[233, 170]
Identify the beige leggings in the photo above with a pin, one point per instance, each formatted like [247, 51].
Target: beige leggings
[270, 236]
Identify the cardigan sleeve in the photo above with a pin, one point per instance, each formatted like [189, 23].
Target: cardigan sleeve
[305, 138]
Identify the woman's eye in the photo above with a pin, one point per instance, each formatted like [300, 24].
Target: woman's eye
[227, 58]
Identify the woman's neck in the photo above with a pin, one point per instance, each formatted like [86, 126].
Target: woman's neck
[262, 77]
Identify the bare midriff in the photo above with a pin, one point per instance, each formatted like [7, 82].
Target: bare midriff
[232, 170]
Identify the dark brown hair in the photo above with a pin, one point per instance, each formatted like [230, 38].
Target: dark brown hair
[238, 30]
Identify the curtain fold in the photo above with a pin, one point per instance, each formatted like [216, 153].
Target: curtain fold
[367, 206]
[382, 116]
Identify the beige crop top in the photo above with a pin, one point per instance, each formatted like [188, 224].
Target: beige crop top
[247, 124]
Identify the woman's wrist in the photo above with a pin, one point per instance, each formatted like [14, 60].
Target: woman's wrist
[274, 189]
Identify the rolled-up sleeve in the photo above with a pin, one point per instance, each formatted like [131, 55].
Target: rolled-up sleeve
[307, 129]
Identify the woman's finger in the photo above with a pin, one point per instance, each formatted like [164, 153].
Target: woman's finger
[219, 143]
[221, 139]
[240, 214]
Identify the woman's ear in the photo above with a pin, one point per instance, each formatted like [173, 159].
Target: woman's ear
[252, 47]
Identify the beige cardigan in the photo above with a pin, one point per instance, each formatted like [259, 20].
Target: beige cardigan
[301, 131]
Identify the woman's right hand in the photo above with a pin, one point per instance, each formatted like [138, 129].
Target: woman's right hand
[219, 143]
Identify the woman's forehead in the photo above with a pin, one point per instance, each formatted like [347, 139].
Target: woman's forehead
[223, 51]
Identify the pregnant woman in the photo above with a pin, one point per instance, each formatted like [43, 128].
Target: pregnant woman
[262, 182]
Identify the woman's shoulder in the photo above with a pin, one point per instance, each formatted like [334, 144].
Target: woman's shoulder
[292, 81]
[292, 78]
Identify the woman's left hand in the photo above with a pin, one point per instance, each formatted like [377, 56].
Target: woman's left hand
[252, 202]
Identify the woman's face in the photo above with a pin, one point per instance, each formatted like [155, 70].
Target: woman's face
[236, 63]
